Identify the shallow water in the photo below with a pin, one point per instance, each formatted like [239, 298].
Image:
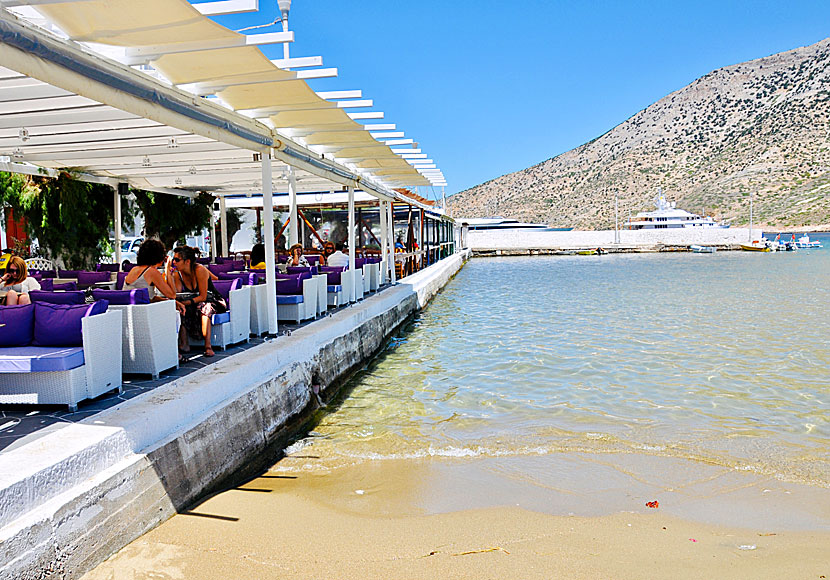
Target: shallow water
[719, 360]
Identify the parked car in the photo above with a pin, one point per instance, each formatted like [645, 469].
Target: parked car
[129, 248]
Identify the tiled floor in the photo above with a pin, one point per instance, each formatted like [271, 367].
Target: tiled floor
[20, 424]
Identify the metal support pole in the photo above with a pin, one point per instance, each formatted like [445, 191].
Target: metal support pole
[293, 229]
[270, 261]
[617, 218]
[352, 247]
[212, 233]
[384, 242]
[391, 220]
[122, 189]
[223, 224]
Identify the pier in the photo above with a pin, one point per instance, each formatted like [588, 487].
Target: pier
[517, 242]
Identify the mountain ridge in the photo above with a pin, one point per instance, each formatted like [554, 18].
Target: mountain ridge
[759, 126]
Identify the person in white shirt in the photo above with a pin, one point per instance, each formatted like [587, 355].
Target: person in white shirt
[16, 282]
[338, 259]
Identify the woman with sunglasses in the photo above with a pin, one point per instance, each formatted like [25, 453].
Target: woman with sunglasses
[16, 282]
[195, 289]
[328, 250]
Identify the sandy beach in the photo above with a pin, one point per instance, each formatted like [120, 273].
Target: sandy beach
[326, 526]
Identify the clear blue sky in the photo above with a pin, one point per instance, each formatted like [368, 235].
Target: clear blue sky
[489, 87]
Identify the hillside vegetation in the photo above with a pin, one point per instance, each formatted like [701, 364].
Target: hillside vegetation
[759, 126]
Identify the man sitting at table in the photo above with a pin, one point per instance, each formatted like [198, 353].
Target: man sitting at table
[16, 282]
[338, 259]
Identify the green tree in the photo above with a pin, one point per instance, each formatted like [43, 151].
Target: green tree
[70, 219]
[170, 217]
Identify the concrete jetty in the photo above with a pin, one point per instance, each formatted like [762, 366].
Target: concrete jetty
[77, 494]
[527, 241]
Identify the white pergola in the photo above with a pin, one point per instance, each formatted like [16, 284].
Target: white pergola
[154, 95]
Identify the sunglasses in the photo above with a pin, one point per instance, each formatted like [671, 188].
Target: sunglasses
[12, 270]
[177, 259]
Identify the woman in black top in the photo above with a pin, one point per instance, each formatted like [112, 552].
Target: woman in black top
[198, 294]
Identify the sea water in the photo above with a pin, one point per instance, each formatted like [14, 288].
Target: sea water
[602, 377]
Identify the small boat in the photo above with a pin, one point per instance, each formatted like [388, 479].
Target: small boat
[805, 243]
[755, 248]
[586, 252]
[703, 249]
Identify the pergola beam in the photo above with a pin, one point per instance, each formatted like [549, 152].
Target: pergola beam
[221, 7]
[147, 54]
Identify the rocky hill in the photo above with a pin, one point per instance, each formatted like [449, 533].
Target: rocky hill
[760, 126]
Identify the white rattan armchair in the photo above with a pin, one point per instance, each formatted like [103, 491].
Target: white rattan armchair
[149, 337]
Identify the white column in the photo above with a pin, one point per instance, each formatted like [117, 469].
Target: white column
[223, 224]
[212, 233]
[293, 229]
[116, 223]
[268, 240]
[352, 248]
[391, 219]
[384, 242]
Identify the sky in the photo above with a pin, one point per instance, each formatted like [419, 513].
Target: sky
[487, 87]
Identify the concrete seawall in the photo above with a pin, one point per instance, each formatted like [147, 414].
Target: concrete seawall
[518, 241]
[77, 494]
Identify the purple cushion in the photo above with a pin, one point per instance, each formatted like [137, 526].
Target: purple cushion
[358, 262]
[246, 278]
[72, 297]
[36, 275]
[238, 265]
[119, 280]
[68, 273]
[17, 325]
[60, 324]
[327, 269]
[224, 287]
[293, 285]
[90, 278]
[301, 269]
[46, 284]
[219, 268]
[45, 273]
[108, 267]
[123, 297]
[204, 261]
[33, 359]
[313, 260]
[334, 278]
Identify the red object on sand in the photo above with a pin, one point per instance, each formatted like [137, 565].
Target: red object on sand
[653, 504]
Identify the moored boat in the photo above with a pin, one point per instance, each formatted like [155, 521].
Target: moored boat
[703, 249]
[756, 247]
[805, 243]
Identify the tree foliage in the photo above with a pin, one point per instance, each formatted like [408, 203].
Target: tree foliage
[70, 219]
[170, 218]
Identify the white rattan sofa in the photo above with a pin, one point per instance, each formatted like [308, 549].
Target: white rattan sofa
[65, 375]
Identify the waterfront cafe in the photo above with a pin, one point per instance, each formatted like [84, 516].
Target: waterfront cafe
[155, 95]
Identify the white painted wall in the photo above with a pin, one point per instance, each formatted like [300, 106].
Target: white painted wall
[529, 239]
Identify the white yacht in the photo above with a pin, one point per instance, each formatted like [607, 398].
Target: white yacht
[668, 216]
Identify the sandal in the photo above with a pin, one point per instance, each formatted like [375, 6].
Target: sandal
[209, 352]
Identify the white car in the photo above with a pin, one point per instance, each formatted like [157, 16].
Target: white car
[129, 248]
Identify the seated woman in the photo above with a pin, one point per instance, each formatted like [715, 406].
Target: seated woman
[16, 282]
[295, 256]
[151, 256]
[258, 257]
[193, 283]
[328, 250]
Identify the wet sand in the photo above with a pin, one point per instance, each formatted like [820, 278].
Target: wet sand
[379, 521]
